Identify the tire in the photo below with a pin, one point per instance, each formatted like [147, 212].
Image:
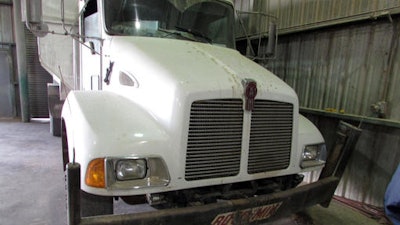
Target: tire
[64, 144]
[94, 205]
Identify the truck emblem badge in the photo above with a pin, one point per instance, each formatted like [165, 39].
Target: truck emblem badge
[250, 92]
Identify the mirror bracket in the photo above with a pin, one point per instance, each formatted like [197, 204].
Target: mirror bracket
[31, 15]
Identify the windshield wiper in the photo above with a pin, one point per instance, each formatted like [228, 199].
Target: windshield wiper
[174, 32]
[194, 33]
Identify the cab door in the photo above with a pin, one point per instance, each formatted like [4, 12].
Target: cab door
[91, 47]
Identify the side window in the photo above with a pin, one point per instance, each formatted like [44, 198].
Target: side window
[90, 31]
[90, 20]
[218, 31]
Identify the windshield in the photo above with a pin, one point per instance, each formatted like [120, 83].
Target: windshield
[195, 20]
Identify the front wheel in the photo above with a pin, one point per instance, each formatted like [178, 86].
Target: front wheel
[94, 205]
[64, 145]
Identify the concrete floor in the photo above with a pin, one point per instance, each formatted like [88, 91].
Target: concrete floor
[33, 192]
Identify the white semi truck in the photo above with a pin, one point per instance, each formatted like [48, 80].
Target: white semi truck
[159, 106]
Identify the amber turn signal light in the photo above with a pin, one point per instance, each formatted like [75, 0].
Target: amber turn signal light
[95, 174]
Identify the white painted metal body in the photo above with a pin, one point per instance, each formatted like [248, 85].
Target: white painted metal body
[150, 117]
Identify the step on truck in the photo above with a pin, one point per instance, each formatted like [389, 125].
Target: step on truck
[155, 105]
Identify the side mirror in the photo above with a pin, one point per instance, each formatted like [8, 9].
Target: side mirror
[260, 35]
[267, 44]
[272, 40]
[31, 11]
[32, 17]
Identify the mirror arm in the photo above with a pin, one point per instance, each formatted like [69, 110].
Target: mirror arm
[63, 16]
[245, 33]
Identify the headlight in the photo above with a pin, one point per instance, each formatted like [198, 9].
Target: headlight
[313, 155]
[131, 169]
[311, 152]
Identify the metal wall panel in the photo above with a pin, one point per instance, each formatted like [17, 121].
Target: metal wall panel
[7, 92]
[300, 15]
[6, 27]
[37, 79]
[7, 104]
[344, 69]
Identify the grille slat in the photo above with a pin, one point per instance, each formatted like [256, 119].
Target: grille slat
[262, 139]
[273, 133]
[213, 127]
[214, 139]
[205, 150]
[221, 160]
[269, 158]
[266, 151]
[205, 174]
[270, 136]
[216, 143]
[218, 167]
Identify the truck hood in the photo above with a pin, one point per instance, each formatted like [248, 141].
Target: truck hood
[180, 72]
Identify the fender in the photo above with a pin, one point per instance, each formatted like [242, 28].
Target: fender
[308, 132]
[104, 124]
[309, 135]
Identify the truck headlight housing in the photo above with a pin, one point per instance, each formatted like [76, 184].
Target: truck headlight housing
[313, 155]
[135, 173]
[131, 169]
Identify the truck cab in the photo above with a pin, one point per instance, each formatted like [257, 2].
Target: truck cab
[164, 108]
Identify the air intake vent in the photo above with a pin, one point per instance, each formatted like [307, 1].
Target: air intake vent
[270, 136]
[215, 139]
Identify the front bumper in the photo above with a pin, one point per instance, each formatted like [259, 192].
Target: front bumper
[253, 210]
[241, 211]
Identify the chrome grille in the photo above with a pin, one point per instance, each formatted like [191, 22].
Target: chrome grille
[215, 139]
[270, 136]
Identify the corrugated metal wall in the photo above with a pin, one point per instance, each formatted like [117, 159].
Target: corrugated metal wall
[7, 104]
[37, 76]
[345, 69]
[6, 29]
[7, 88]
[300, 15]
